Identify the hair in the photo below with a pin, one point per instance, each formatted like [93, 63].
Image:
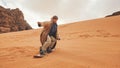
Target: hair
[55, 17]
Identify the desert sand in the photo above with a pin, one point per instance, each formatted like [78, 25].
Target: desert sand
[86, 44]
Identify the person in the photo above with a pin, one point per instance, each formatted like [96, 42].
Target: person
[48, 37]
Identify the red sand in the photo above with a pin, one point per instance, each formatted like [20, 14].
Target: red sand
[87, 44]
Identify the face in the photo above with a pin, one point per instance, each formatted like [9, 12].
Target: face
[54, 20]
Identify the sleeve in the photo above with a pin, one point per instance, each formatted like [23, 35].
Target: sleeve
[42, 24]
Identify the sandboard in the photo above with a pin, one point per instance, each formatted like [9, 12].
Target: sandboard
[38, 56]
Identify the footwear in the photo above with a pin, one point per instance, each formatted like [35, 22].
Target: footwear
[49, 50]
[42, 52]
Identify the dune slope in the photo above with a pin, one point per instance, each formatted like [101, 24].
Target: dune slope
[86, 44]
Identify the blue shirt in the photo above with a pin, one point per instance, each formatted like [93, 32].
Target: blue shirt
[53, 30]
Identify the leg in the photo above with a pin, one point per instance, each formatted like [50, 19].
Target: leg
[54, 45]
[53, 41]
[45, 46]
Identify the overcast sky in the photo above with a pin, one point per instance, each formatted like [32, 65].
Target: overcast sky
[67, 10]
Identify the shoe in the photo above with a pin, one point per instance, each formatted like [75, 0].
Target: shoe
[49, 50]
[42, 52]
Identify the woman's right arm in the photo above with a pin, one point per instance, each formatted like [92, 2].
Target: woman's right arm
[43, 24]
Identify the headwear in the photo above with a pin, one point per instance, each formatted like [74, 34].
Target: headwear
[55, 17]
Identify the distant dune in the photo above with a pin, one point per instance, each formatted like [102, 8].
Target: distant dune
[86, 44]
[114, 14]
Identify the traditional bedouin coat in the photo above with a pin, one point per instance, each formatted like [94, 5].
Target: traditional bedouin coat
[46, 29]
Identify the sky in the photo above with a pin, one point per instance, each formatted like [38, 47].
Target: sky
[68, 11]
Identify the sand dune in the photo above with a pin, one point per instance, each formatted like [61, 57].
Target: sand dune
[87, 44]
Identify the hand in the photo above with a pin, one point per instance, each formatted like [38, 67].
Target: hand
[58, 39]
[39, 24]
